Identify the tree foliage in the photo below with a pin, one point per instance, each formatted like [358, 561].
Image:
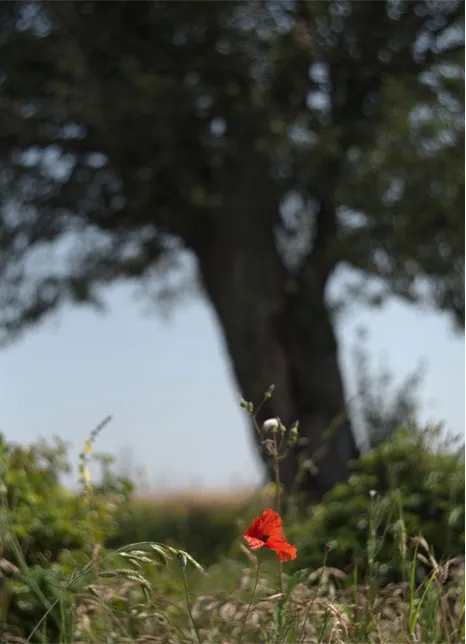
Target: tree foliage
[127, 128]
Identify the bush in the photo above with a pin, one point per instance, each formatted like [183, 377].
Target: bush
[44, 517]
[207, 527]
[41, 523]
[416, 491]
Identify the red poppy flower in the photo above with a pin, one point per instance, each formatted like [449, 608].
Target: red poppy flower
[267, 530]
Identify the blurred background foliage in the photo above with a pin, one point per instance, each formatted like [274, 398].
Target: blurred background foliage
[418, 492]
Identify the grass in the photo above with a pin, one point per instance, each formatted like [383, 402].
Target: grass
[159, 595]
[144, 584]
[149, 592]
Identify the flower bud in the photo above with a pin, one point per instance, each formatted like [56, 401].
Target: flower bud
[293, 434]
[271, 425]
[269, 392]
[182, 559]
[269, 447]
[243, 403]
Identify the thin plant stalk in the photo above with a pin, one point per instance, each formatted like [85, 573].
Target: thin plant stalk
[276, 469]
[251, 600]
[414, 616]
[188, 606]
[460, 624]
[301, 635]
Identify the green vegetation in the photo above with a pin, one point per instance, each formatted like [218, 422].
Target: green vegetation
[379, 560]
[399, 490]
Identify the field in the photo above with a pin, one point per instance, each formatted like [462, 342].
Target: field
[381, 560]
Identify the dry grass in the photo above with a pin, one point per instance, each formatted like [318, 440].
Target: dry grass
[310, 613]
[198, 499]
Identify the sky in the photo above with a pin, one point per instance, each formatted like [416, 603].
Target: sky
[169, 388]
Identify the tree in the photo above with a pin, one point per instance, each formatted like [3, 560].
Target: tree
[276, 141]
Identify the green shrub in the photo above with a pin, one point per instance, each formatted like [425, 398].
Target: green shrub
[45, 517]
[417, 491]
[41, 523]
[207, 531]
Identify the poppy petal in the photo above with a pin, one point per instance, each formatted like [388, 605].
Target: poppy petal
[284, 550]
[267, 530]
[254, 529]
[271, 522]
[287, 555]
[254, 543]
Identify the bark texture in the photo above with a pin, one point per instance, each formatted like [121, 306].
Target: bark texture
[278, 330]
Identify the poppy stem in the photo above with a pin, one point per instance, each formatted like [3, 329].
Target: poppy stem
[253, 594]
[276, 469]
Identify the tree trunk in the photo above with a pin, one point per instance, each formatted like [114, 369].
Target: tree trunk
[278, 331]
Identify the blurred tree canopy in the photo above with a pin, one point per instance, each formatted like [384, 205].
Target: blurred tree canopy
[276, 141]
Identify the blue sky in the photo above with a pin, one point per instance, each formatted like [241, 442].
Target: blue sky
[169, 388]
